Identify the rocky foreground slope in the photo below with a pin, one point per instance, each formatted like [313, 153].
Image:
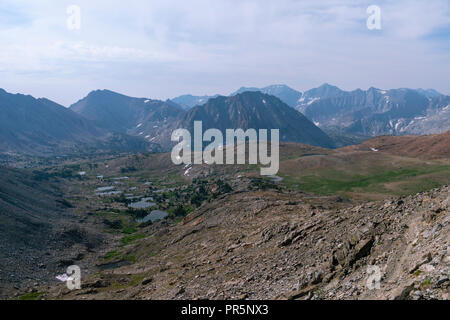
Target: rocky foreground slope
[279, 245]
[40, 233]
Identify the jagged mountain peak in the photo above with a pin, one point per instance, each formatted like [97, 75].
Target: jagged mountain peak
[245, 89]
[283, 92]
[120, 113]
[374, 112]
[429, 93]
[188, 101]
[324, 91]
[43, 127]
[257, 110]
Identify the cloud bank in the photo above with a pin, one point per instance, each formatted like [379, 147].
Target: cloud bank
[161, 49]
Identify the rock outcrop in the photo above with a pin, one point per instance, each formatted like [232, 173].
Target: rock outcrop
[278, 245]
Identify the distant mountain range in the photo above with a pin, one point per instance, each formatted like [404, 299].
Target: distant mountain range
[283, 92]
[120, 113]
[109, 121]
[256, 110]
[155, 120]
[376, 112]
[42, 127]
[353, 116]
[145, 118]
[189, 101]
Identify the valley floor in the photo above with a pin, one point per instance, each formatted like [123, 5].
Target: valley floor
[267, 245]
[230, 234]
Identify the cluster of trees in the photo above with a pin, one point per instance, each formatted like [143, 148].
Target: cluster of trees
[205, 191]
[66, 172]
[181, 201]
[262, 184]
[128, 169]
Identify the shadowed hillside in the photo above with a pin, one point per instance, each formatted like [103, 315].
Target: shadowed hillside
[258, 111]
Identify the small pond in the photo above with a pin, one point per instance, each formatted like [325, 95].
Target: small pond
[143, 204]
[165, 190]
[104, 189]
[275, 178]
[109, 193]
[155, 215]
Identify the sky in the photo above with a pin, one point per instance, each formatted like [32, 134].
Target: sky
[163, 49]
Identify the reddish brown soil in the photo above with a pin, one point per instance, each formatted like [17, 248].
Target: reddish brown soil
[426, 147]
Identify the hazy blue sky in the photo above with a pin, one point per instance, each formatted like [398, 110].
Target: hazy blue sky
[162, 49]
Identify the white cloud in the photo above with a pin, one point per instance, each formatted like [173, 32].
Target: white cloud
[164, 48]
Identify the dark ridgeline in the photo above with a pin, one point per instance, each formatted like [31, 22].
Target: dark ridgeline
[350, 117]
[117, 112]
[189, 101]
[155, 120]
[149, 120]
[256, 110]
[42, 127]
[37, 229]
[281, 91]
[376, 112]
[109, 121]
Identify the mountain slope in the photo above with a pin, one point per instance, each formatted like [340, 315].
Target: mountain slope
[429, 93]
[42, 127]
[29, 125]
[436, 120]
[121, 113]
[188, 101]
[38, 230]
[277, 245]
[376, 112]
[425, 147]
[325, 91]
[259, 111]
[141, 117]
[281, 91]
